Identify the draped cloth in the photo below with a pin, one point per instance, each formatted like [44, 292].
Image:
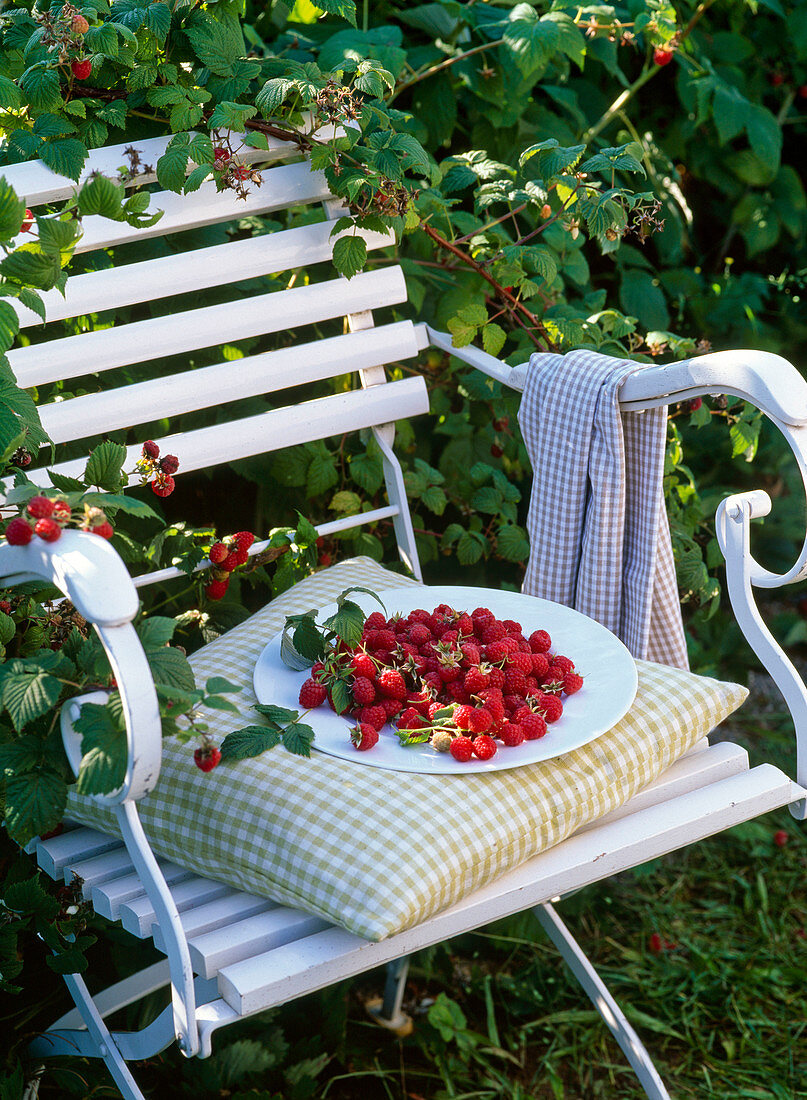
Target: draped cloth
[598, 527]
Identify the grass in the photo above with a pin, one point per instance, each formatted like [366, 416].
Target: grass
[720, 1006]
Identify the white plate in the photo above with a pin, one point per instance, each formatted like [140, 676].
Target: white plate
[607, 668]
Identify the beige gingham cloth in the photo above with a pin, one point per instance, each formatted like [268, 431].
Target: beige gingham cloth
[597, 523]
[378, 851]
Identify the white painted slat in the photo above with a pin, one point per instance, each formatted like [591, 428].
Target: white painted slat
[81, 843]
[310, 420]
[243, 940]
[185, 272]
[220, 914]
[138, 916]
[284, 186]
[101, 868]
[330, 956]
[107, 903]
[209, 326]
[223, 382]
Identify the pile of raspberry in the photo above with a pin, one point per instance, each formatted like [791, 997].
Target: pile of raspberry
[47, 517]
[468, 683]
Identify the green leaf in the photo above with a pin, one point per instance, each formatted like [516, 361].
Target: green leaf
[63, 483]
[10, 95]
[31, 268]
[321, 474]
[217, 43]
[104, 749]
[105, 464]
[765, 136]
[12, 211]
[58, 238]
[349, 255]
[470, 548]
[65, 156]
[9, 327]
[100, 196]
[102, 39]
[217, 684]
[249, 741]
[48, 125]
[341, 696]
[275, 714]
[41, 87]
[493, 338]
[642, 297]
[35, 803]
[231, 116]
[29, 897]
[347, 622]
[298, 739]
[730, 110]
[158, 20]
[28, 695]
[368, 473]
[155, 632]
[115, 502]
[345, 9]
[434, 499]
[7, 631]
[171, 668]
[512, 543]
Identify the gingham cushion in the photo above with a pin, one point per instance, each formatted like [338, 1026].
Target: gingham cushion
[378, 851]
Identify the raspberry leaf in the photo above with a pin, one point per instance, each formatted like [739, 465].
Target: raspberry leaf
[347, 622]
[340, 693]
[103, 745]
[249, 741]
[276, 714]
[104, 466]
[349, 255]
[297, 739]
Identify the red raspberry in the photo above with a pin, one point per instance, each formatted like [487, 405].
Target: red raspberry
[375, 621]
[244, 539]
[419, 634]
[48, 529]
[662, 57]
[27, 221]
[433, 682]
[18, 532]
[462, 749]
[539, 641]
[476, 679]
[374, 716]
[62, 512]
[481, 613]
[512, 703]
[421, 701]
[163, 485]
[218, 552]
[780, 838]
[447, 673]
[220, 153]
[456, 691]
[169, 464]
[655, 943]
[385, 639]
[364, 665]
[533, 725]
[496, 678]
[540, 665]
[234, 559]
[515, 682]
[496, 651]
[364, 736]
[207, 758]
[493, 632]
[492, 698]
[481, 720]
[471, 653]
[105, 529]
[462, 716]
[572, 683]
[150, 449]
[551, 707]
[521, 661]
[5, 607]
[312, 694]
[511, 626]
[465, 624]
[81, 71]
[559, 666]
[363, 691]
[391, 706]
[392, 683]
[512, 734]
[484, 747]
[39, 508]
[216, 589]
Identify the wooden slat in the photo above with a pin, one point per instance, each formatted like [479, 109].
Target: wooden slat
[81, 843]
[330, 956]
[101, 868]
[184, 272]
[209, 326]
[310, 420]
[243, 940]
[138, 916]
[217, 385]
[107, 902]
[38, 184]
[230, 909]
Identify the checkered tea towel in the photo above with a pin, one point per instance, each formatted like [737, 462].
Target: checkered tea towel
[598, 527]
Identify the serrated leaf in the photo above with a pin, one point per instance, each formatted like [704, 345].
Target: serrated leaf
[368, 473]
[65, 156]
[347, 622]
[10, 95]
[35, 803]
[434, 499]
[64, 483]
[470, 548]
[29, 897]
[298, 739]
[155, 631]
[217, 43]
[117, 502]
[100, 196]
[104, 749]
[31, 268]
[275, 713]
[340, 694]
[28, 695]
[349, 255]
[170, 667]
[273, 93]
[231, 116]
[493, 338]
[41, 87]
[9, 327]
[249, 741]
[158, 20]
[321, 474]
[307, 641]
[12, 211]
[512, 543]
[105, 464]
[344, 502]
[218, 684]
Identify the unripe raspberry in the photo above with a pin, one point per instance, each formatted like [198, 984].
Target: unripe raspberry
[150, 449]
[546, 211]
[40, 507]
[18, 532]
[441, 740]
[48, 530]
[105, 530]
[218, 552]
[62, 512]
[82, 69]
[79, 24]
[27, 221]
[169, 464]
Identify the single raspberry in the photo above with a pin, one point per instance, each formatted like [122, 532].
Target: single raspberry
[150, 449]
[539, 641]
[512, 703]
[5, 607]
[512, 734]
[364, 665]
[462, 716]
[462, 749]
[234, 559]
[220, 153]
[551, 707]
[481, 720]
[363, 691]
[540, 665]
[169, 464]
[385, 639]
[465, 624]
[216, 589]
[662, 57]
[392, 684]
[655, 943]
[560, 665]
[18, 532]
[412, 724]
[79, 24]
[62, 512]
[493, 632]
[48, 529]
[27, 221]
[515, 682]
[533, 725]
[312, 694]
[484, 747]
[496, 651]
[470, 652]
[163, 485]
[207, 757]
[520, 661]
[494, 702]
[375, 621]
[21, 458]
[780, 838]
[218, 552]
[82, 69]
[364, 736]
[449, 672]
[244, 539]
[481, 613]
[419, 634]
[572, 683]
[421, 701]
[391, 706]
[441, 740]
[105, 529]
[39, 508]
[496, 678]
[476, 679]
[374, 716]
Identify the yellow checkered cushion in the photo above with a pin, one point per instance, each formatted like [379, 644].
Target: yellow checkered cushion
[378, 851]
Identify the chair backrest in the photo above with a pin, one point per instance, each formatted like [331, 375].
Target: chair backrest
[253, 300]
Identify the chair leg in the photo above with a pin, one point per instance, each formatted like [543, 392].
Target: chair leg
[593, 986]
[386, 1011]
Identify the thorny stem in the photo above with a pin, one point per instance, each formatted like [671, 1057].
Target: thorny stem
[490, 225]
[443, 65]
[502, 291]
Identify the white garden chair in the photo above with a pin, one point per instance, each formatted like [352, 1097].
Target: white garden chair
[230, 954]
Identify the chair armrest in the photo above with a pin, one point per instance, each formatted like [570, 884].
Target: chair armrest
[92, 576]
